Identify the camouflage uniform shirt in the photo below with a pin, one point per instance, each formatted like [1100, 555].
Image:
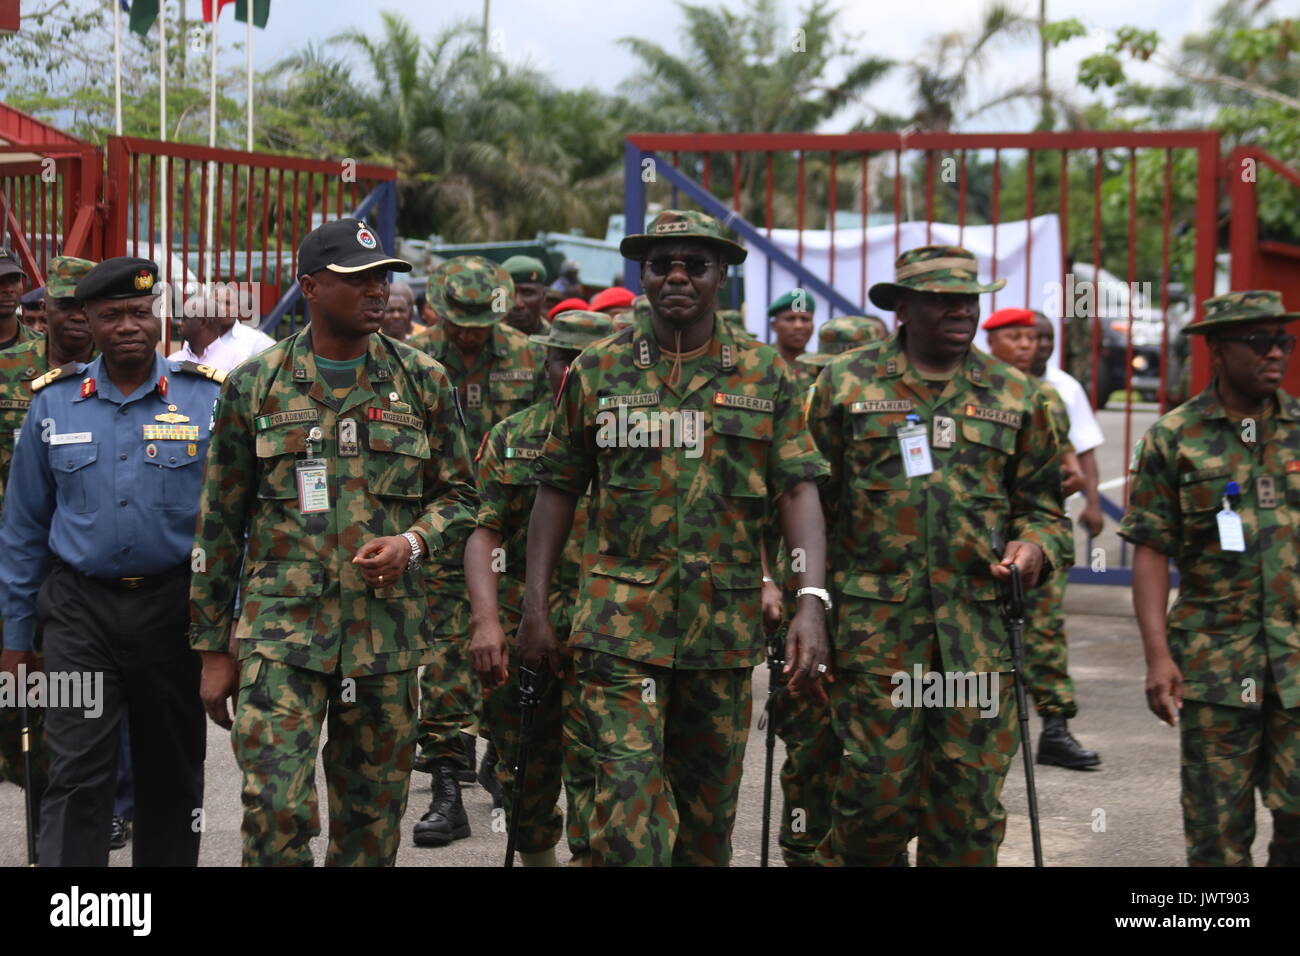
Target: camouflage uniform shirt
[670, 567]
[1237, 613]
[303, 601]
[18, 366]
[909, 557]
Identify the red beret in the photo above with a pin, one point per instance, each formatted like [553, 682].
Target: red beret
[1003, 318]
[568, 304]
[613, 297]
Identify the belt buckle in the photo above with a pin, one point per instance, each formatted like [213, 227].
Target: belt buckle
[132, 583]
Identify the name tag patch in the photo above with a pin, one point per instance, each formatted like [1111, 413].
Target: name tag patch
[751, 402]
[285, 418]
[14, 403]
[630, 401]
[395, 418]
[511, 375]
[881, 405]
[171, 432]
[523, 452]
[999, 415]
[72, 438]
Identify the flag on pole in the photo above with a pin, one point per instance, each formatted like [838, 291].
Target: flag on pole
[261, 10]
[212, 9]
[143, 15]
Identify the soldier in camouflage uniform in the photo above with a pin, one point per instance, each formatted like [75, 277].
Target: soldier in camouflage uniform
[12, 278]
[1225, 657]
[791, 318]
[507, 486]
[839, 335]
[66, 340]
[917, 557]
[494, 369]
[690, 434]
[529, 277]
[337, 462]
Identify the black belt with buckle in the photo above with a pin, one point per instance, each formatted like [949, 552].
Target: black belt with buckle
[144, 581]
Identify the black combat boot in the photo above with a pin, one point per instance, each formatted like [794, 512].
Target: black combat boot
[487, 775]
[1057, 747]
[445, 819]
[470, 743]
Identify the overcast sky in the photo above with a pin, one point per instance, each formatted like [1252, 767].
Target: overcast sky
[576, 41]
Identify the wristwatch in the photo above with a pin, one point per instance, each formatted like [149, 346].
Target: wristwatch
[820, 593]
[416, 550]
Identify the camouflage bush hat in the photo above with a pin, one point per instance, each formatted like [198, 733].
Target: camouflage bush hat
[470, 291]
[525, 269]
[575, 330]
[65, 272]
[1241, 308]
[842, 333]
[932, 269]
[682, 224]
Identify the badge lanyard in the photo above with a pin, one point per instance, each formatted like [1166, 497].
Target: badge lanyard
[313, 478]
[914, 443]
[1231, 535]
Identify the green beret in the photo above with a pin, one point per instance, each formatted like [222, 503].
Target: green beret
[525, 269]
[796, 300]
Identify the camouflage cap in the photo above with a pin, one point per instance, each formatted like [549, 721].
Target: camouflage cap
[682, 224]
[1241, 308]
[471, 290]
[65, 272]
[843, 333]
[525, 269]
[575, 330]
[949, 269]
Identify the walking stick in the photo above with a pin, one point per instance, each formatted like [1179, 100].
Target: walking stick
[531, 687]
[775, 661]
[29, 779]
[1013, 610]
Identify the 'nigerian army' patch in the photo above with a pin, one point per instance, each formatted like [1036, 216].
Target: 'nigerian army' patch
[395, 418]
[999, 415]
[523, 452]
[881, 405]
[751, 402]
[15, 403]
[638, 400]
[283, 418]
[512, 375]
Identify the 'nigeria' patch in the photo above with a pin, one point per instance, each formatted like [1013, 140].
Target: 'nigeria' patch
[394, 418]
[284, 418]
[639, 400]
[751, 402]
[999, 415]
[881, 405]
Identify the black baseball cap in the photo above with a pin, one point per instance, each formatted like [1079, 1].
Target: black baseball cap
[345, 245]
[9, 264]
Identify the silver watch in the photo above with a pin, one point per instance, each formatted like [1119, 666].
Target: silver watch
[416, 551]
[820, 593]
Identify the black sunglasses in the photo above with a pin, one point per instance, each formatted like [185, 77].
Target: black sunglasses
[1262, 343]
[695, 266]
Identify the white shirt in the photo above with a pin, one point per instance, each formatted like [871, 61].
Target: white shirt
[219, 354]
[1085, 432]
[246, 341]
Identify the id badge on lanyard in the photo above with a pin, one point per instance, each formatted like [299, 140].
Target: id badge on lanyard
[914, 443]
[1231, 535]
[313, 479]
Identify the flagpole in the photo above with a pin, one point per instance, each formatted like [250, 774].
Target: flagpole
[165, 194]
[212, 142]
[117, 66]
[248, 9]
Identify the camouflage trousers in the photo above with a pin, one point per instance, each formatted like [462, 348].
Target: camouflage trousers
[1228, 753]
[936, 772]
[369, 725]
[449, 693]
[808, 776]
[1047, 652]
[667, 753]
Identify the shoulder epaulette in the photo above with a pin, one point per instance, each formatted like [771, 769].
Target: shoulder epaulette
[206, 371]
[55, 374]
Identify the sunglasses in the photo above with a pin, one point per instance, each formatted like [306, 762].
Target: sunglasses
[1262, 343]
[695, 266]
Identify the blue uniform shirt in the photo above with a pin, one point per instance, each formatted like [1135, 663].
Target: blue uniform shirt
[108, 484]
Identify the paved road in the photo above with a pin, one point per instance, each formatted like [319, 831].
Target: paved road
[1125, 814]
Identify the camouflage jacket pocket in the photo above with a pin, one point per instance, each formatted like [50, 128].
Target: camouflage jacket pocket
[280, 600]
[742, 442]
[623, 597]
[1200, 496]
[395, 468]
[276, 451]
[874, 460]
[867, 616]
[982, 460]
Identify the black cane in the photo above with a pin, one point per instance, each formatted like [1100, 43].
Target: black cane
[775, 661]
[29, 788]
[530, 691]
[1014, 611]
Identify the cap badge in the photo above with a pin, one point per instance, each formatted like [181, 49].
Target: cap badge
[366, 239]
[143, 280]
